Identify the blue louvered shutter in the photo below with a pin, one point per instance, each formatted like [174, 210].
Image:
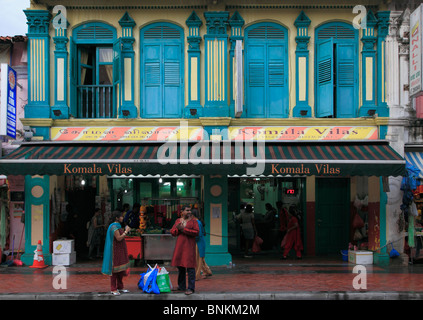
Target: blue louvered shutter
[325, 79]
[172, 88]
[277, 92]
[256, 93]
[152, 95]
[346, 80]
[266, 72]
[162, 72]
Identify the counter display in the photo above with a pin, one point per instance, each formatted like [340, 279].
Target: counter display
[158, 246]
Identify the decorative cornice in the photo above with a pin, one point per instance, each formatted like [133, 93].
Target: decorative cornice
[127, 21]
[215, 121]
[37, 122]
[217, 22]
[207, 121]
[122, 122]
[38, 21]
[126, 7]
[302, 20]
[194, 21]
[383, 23]
[311, 6]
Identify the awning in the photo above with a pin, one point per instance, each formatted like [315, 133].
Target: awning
[305, 158]
[415, 158]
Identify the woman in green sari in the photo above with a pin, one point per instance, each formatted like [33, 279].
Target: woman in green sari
[115, 258]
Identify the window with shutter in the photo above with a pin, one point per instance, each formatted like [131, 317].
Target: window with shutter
[336, 71]
[162, 71]
[266, 71]
[95, 71]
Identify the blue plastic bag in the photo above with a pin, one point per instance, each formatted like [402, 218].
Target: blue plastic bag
[148, 281]
[151, 283]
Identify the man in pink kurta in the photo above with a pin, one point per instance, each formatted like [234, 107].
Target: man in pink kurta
[184, 256]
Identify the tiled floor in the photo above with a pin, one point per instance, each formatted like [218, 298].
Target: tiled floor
[259, 274]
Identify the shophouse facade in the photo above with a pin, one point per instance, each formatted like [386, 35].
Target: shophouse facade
[212, 103]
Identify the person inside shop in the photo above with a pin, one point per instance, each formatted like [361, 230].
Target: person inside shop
[269, 224]
[115, 257]
[184, 255]
[283, 220]
[248, 227]
[202, 267]
[125, 208]
[292, 238]
[95, 234]
[132, 217]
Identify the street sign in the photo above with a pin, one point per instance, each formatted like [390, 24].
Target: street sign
[8, 101]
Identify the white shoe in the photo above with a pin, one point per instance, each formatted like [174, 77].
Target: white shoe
[124, 291]
[115, 293]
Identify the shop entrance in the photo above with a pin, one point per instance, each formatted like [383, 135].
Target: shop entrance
[82, 203]
[332, 215]
[259, 192]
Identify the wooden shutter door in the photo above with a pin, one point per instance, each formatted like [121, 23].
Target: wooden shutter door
[277, 94]
[152, 96]
[346, 80]
[325, 82]
[172, 87]
[256, 94]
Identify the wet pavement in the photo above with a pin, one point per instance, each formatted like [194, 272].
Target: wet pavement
[263, 277]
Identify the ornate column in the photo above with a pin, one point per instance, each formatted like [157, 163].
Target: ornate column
[216, 66]
[194, 108]
[38, 22]
[60, 109]
[302, 108]
[383, 30]
[127, 109]
[368, 67]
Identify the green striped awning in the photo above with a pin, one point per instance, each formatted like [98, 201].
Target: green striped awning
[306, 158]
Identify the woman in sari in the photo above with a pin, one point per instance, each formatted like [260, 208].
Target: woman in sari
[292, 238]
[115, 258]
[202, 266]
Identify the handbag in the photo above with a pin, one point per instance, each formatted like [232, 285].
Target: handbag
[257, 244]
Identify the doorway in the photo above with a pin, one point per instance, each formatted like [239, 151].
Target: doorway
[83, 205]
[332, 215]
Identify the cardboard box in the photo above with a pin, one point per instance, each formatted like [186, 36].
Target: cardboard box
[63, 246]
[360, 257]
[64, 259]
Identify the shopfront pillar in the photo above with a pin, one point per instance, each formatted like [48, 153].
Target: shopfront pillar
[216, 219]
[37, 208]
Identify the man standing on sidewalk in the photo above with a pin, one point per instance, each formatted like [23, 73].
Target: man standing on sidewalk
[184, 256]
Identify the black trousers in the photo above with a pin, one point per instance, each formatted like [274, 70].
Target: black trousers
[182, 285]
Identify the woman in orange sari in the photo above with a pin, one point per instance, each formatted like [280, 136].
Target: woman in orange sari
[292, 238]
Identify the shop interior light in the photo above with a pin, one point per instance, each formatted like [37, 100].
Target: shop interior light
[160, 180]
[82, 182]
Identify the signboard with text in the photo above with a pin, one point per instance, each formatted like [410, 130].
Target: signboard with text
[416, 52]
[8, 101]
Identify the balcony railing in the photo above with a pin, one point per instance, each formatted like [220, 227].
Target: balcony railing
[96, 101]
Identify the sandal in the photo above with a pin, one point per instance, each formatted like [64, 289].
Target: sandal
[189, 292]
[115, 293]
